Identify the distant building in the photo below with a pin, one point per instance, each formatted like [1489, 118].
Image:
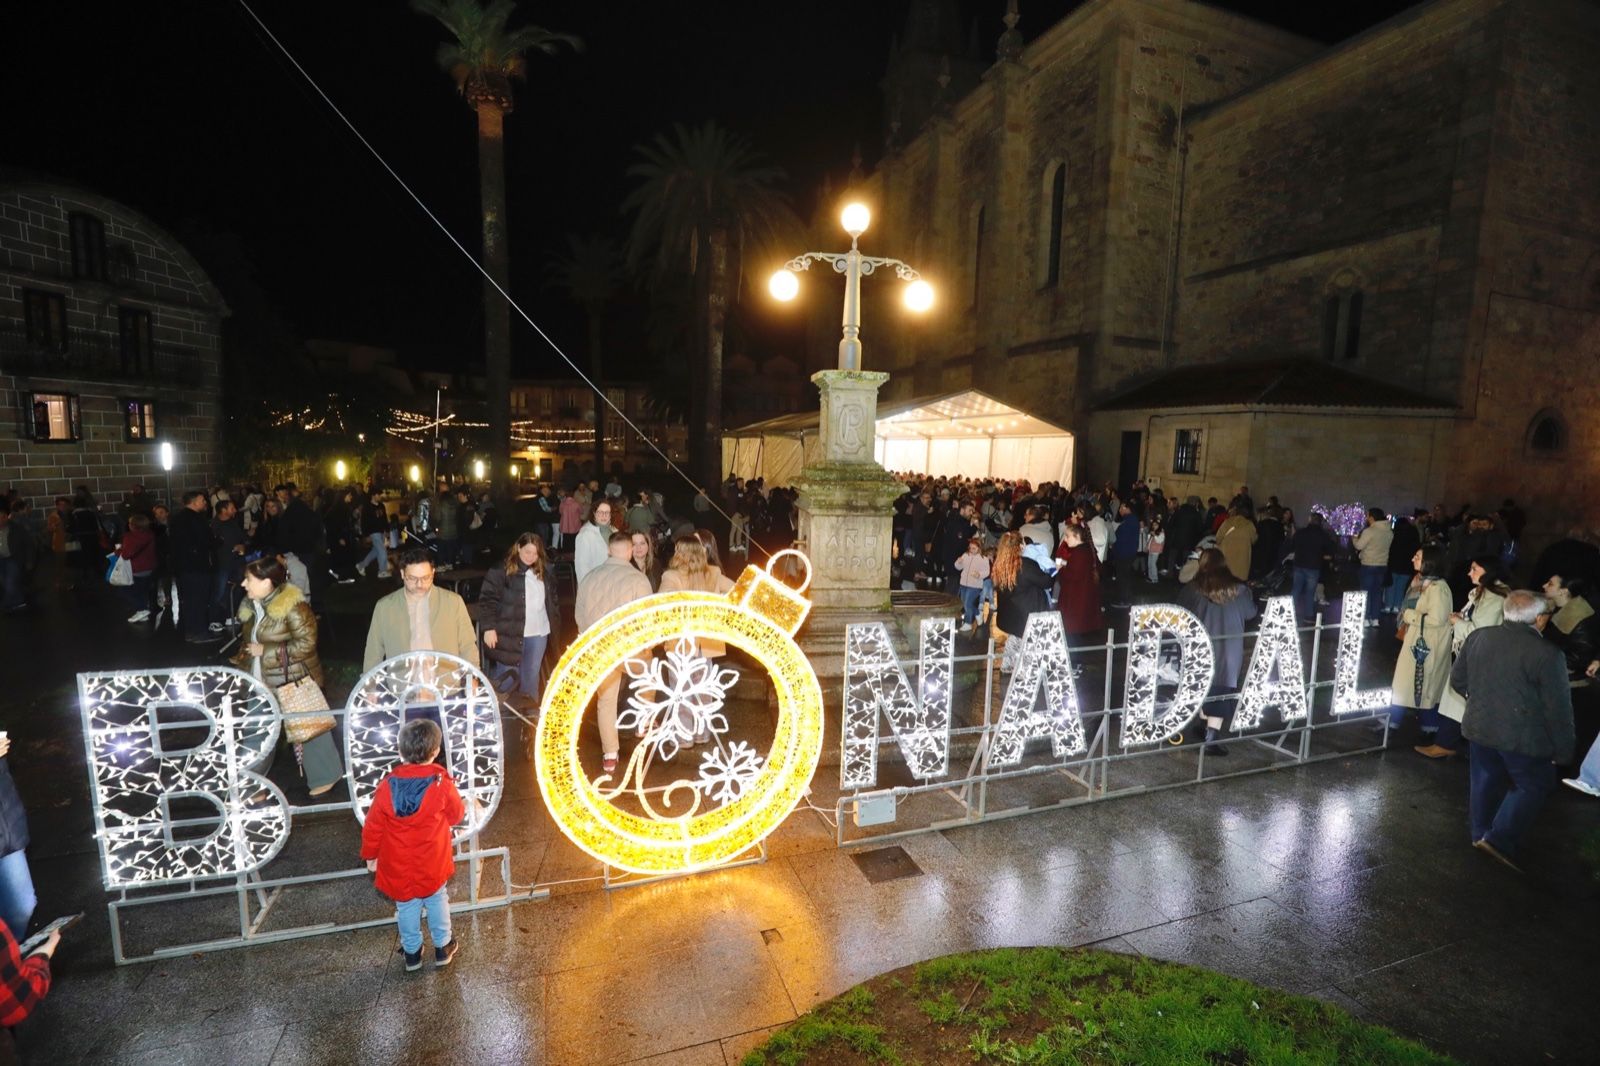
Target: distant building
[108, 346]
[552, 430]
[757, 390]
[1223, 254]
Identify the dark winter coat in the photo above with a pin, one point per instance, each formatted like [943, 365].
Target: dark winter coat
[139, 548]
[1078, 589]
[1183, 531]
[190, 534]
[408, 830]
[1407, 540]
[1029, 597]
[1515, 684]
[503, 607]
[13, 816]
[1224, 619]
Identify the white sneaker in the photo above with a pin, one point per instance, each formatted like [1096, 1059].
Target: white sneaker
[361, 570]
[217, 627]
[138, 616]
[383, 574]
[1581, 786]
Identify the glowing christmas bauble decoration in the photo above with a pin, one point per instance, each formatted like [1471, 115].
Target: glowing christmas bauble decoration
[673, 835]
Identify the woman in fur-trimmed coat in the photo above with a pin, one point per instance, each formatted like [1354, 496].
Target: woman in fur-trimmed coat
[279, 646]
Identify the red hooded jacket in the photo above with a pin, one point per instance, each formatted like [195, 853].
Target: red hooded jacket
[408, 830]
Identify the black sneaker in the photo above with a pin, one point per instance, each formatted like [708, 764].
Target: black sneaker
[413, 960]
[442, 956]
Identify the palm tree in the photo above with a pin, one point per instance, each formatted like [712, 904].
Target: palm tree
[705, 201]
[589, 272]
[483, 58]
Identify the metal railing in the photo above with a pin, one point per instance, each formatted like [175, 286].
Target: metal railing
[98, 355]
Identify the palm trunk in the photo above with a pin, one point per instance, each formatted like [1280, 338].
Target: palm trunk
[716, 305]
[700, 361]
[496, 308]
[596, 371]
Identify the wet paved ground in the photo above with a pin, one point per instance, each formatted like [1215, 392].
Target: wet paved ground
[1351, 880]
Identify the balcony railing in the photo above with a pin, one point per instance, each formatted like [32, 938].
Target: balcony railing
[99, 356]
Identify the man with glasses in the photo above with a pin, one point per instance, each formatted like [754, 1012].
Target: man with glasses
[419, 617]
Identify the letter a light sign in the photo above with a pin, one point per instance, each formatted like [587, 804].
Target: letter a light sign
[738, 796]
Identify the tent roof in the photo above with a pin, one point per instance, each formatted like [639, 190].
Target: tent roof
[947, 415]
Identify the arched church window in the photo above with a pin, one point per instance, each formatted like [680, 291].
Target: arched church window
[1051, 217]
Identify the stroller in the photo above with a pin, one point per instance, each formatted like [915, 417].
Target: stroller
[1275, 582]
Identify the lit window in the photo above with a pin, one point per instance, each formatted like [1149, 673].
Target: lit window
[139, 420]
[55, 416]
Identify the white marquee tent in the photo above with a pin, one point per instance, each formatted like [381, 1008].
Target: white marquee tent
[969, 433]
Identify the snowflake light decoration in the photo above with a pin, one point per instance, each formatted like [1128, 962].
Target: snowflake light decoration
[692, 691]
[1148, 626]
[725, 775]
[1045, 665]
[1277, 650]
[874, 681]
[1347, 699]
[138, 770]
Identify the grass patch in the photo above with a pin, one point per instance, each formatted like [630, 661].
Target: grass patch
[1049, 1006]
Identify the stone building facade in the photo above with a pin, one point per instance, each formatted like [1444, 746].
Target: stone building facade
[109, 346]
[1152, 187]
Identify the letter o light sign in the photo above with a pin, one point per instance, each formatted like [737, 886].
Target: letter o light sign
[177, 754]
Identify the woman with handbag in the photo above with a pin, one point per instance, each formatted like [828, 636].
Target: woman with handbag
[1485, 606]
[1022, 586]
[1423, 667]
[139, 548]
[279, 647]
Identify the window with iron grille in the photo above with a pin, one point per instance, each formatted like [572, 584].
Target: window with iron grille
[54, 417]
[1186, 452]
[45, 314]
[133, 326]
[139, 420]
[88, 246]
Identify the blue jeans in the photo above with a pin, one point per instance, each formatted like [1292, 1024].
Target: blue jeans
[532, 665]
[1395, 594]
[1589, 772]
[11, 582]
[379, 552]
[1507, 791]
[17, 898]
[1373, 579]
[138, 593]
[1305, 592]
[408, 913]
[970, 600]
[1427, 717]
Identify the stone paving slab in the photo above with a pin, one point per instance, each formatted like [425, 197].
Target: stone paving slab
[1350, 879]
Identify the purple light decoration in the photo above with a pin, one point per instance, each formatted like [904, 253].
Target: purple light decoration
[1346, 520]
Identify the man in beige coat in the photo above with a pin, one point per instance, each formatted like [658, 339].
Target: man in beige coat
[610, 585]
[1235, 539]
[419, 617]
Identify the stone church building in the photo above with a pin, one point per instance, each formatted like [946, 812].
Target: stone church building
[1222, 254]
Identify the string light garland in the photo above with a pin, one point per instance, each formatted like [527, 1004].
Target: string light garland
[1347, 699]
[1044, 664]
[875, 682]
[1277, 652]
[468, 714]
[1149, 626]
[759, 616]
[129, 726]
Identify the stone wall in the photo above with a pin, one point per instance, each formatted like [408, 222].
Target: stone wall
[1396, 460]
[1363, 170]
[147, 270]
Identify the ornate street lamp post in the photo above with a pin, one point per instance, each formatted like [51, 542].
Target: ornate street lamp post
[855, 218]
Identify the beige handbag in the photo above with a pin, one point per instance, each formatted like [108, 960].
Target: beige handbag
[300, 701]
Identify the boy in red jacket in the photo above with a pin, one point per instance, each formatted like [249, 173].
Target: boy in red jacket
[406, 842]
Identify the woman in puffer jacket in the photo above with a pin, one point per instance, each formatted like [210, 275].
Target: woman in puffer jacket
[279, 646]
[520, 613]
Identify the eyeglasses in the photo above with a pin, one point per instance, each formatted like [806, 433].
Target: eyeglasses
[419, 581]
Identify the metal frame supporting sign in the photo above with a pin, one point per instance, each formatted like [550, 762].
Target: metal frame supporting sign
[993, 763]
[183, 811]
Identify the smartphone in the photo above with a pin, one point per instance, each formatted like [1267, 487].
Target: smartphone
[37, 940]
